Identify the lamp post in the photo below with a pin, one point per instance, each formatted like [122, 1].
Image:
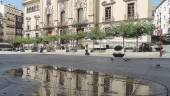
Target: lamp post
[159, 30]
[160, 33]
[161, 37]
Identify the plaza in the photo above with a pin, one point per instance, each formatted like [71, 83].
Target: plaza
[84, 48]
[137, 68]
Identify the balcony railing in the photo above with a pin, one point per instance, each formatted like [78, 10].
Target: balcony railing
[30, 2]
[136, 16]
[104, 19]
[48, 26]
[37, 27]
[81, 22]
[62, 0]
[62, 24]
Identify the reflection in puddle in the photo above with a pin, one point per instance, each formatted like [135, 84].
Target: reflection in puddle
[57, 81]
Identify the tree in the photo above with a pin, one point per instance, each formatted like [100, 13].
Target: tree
[80, 35]
[149, 28]
[142, 28]
[125, 30]
[27, 40]
[17, 42]
[92, 35]
[96, 34]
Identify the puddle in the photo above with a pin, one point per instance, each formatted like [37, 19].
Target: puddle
[60, 81]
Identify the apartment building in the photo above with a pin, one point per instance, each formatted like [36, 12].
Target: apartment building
[1, 27]
[10, 16]
[162, 17]
[56, 16]
[32, 18]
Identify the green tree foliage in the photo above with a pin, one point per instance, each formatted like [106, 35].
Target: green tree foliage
[133, 29]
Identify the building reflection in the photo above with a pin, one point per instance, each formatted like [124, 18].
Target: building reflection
[59, 81]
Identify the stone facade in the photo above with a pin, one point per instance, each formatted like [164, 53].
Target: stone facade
[10, 16]
[55, 16]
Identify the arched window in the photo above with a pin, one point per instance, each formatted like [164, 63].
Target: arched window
[168, 30]
[62, 17]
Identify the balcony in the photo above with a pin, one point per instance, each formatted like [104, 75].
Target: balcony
[128, 0]
[30, 1]
[48, 26]
[107, 20]
[80, 22]
[62, 0]
[136, 16]
[10, 25]
[62, 24]
[37, 27]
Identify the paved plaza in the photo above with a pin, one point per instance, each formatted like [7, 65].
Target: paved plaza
[138, 68]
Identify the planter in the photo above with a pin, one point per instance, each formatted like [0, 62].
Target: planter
[118, 55]
[158, 49]
[28, 50]
[74, 50]
[119, 51]
[87, 52]
[45, 50]
[67, 50]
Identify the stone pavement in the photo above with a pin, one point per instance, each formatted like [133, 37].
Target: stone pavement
[82, 53]
[137, 68]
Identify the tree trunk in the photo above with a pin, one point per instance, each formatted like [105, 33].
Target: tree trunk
[100, 44]
[93, 44]
[123, 42]
[137, 44]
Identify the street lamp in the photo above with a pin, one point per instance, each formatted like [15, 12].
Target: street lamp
[161, 38]
[160, 33]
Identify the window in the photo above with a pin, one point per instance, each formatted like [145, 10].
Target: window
[49, 19]
[108, 13]
[28, 35]
[36, 35]
[28, 27]
[80, 15]
[33, 8]
[107, 29]
[36, 26]
[131, 10]
[168, 30]
[62, 17]
[36, 23]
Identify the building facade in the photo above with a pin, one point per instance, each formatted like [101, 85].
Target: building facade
[56, 16]
[19, 25]
[32, 18]
[10, 15]
[1, 27]
[162, 17]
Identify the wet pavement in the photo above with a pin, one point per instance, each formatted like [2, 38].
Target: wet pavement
[135, 68]
[57, 81]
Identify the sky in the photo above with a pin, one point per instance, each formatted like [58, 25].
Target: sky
[18, 3]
